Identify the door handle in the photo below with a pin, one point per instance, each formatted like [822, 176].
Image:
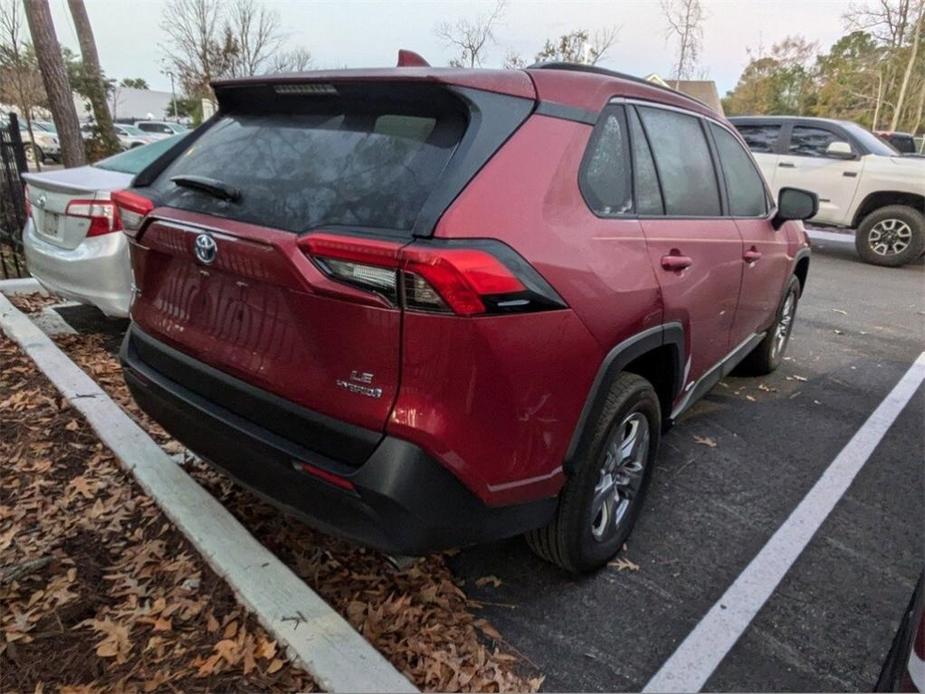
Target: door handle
[753, 255]
[676, 262]
[787, 165]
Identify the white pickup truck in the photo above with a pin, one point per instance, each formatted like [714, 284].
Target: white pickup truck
[862, 182]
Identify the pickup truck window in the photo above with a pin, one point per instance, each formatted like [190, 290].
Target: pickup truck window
[811, 142]
[760, 138]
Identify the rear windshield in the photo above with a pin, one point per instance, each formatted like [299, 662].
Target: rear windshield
[367, 159]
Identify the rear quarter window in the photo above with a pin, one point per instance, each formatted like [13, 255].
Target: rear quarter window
[366, 163]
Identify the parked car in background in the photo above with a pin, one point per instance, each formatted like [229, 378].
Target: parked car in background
[160, 128]
[861, 181]
[70, 240]
[43, 146]
[128, 135]
[360, 300]
[904, 143]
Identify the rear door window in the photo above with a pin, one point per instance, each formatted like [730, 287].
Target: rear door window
[760, 138]
[323, 161]
[683, 162]
[744, 185]
[645, 181]
[811, 142]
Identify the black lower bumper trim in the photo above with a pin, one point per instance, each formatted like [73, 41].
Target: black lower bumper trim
[404, 502]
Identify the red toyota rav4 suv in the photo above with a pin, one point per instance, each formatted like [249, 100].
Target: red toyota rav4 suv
[426, 307]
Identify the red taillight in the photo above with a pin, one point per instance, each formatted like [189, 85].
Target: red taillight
[28, 205]
[131, 209]
[101, 213]
[460, 276]
[427, 278]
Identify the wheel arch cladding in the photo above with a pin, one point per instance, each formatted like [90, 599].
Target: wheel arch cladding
[883, 198]
[801, 270]
[657, 354]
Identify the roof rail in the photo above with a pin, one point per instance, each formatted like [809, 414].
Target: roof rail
[581, 67]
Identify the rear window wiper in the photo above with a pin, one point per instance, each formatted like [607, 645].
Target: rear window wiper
[212, 186]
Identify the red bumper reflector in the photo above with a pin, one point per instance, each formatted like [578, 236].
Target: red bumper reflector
[328, 477]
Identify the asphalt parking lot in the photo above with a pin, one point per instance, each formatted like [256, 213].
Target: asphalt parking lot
[830, 623]
[729, 475]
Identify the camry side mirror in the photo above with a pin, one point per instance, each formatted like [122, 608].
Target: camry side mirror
[794, 203]
[839, 150]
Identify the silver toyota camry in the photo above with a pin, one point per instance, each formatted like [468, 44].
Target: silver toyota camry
[73, 241]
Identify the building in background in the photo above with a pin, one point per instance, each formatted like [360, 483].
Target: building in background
[704, 90]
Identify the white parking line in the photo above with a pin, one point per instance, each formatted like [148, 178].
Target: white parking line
[698, 656]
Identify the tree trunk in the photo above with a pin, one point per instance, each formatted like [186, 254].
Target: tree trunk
[913, 54]
[879, 100]
[57, 87]
[96, 90]
[919, 110]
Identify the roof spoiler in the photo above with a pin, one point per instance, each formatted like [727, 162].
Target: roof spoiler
[408, 58]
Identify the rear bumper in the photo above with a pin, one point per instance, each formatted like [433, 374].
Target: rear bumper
[400, 500]
[97, 272]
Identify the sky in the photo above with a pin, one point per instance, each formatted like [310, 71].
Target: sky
[368, 33]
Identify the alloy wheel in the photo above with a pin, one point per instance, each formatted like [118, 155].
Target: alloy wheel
[889, 237]
[784, 325]
[625, 457]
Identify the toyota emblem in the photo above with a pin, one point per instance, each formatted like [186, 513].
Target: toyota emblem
[206, 249]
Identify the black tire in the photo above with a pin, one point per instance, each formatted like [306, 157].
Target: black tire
[574, 539]
[769, 353]
[880, 230]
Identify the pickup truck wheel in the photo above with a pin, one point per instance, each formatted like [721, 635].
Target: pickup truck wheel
[769, 353]
[601, 500]
[891, 236]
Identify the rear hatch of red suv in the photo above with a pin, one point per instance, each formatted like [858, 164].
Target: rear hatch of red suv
[253, 254]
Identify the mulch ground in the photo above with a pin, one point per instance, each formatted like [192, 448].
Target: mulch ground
[98, 590]
[419, 617]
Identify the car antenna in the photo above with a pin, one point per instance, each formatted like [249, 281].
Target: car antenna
[408, 58]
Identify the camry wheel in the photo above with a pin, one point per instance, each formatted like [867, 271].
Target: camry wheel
[891, 236]
[601, 500]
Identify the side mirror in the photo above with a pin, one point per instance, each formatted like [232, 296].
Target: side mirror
[794, 203]
[839, 150]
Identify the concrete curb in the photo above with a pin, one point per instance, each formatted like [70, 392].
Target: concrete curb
[316, 637]
[27, 285]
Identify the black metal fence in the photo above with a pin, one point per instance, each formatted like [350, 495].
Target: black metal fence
[12, 200]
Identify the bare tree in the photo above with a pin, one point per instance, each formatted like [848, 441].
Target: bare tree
[57, 87]
[295, 60]
[21, 81]
[887, 20]
[93, 77]
[579, 46]
[513, 61]
[684, 20]
[471, 37]
[913, 55]
[193, 32]
[257, 34]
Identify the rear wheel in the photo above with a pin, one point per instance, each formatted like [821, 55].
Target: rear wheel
[891, 236]
[769, 353]
[600, 503]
